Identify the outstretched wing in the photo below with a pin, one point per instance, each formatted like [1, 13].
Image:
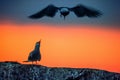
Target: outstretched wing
[49, 11]
[81, 11]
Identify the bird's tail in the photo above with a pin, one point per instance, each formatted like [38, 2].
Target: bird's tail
[26, 61]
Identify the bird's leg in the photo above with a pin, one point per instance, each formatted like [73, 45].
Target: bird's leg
[60, 15]
[32, 62]
[64, 17]
[36, 62]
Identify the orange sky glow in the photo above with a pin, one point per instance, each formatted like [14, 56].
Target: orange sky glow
[78, 46]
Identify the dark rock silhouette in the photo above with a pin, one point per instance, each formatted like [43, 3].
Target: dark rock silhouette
[35, 55]
[79, 10]
[17, 71]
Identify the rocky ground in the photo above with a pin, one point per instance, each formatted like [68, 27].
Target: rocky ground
[17, 71]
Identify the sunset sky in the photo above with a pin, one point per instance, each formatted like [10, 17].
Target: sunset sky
[74, 42]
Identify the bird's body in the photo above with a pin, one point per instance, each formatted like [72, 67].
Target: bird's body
[79, 10]
[64, 11]
[35, 55]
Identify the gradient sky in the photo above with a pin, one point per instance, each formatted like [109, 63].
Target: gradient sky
[74, 42]
[18, 10]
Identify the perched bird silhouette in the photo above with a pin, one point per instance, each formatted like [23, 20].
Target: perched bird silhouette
[35, 55]
[79, 10]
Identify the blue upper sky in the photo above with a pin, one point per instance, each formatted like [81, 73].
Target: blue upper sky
[19, 10]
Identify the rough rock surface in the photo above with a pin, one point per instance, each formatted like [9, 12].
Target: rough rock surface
[17, 71]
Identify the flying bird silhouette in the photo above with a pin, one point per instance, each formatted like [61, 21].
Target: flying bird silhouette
[79, 10]
[35, 54]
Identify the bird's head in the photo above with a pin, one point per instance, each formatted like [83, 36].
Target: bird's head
[38, 43]
[64, 11]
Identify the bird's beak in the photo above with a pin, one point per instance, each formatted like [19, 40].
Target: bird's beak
[40, 41]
